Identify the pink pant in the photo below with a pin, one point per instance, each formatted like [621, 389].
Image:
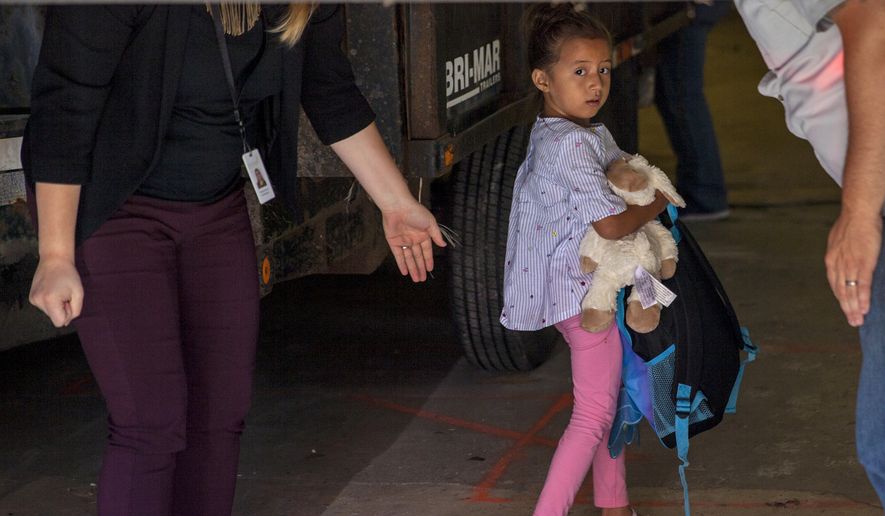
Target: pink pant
[596, 375]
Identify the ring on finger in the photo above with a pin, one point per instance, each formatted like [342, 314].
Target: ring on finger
[850, 283]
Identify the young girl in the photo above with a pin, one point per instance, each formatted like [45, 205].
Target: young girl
[560, 189]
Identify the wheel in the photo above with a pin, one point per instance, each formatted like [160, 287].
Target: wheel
[482, 187]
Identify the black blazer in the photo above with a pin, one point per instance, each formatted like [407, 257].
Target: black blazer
[105, 84]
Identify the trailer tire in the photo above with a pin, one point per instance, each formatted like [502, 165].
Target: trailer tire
[482, 187]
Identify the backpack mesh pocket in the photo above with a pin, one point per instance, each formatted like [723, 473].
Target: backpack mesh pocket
[660, 376]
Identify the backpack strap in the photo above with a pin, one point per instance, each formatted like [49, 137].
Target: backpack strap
[669, 222]
[751, 350]
[683, 411]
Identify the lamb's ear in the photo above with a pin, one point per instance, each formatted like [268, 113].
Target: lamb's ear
[661, 182]
[658, 179]
[672, 196]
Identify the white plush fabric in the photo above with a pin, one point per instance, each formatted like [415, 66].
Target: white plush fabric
[617, 259]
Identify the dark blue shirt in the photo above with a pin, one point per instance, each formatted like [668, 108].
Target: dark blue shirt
[200, 160]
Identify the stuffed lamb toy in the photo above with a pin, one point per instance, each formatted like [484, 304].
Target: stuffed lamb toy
[613, 262]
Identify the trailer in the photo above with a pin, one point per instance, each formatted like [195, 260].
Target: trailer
[454, 104]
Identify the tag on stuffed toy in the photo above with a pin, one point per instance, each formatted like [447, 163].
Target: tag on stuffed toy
[651, 290]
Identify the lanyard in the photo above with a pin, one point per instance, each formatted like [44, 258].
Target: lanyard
[228, 72]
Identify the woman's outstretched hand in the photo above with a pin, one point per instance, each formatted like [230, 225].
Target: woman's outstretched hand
[409, 227]
[411, 230]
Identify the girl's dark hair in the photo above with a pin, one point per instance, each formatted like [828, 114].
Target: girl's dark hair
[547, 25]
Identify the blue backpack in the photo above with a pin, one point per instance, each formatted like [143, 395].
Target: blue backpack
[685, 375]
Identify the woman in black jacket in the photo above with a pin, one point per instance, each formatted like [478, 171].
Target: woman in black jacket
[134, 150]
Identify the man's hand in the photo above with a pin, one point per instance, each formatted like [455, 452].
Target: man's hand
[852, 252]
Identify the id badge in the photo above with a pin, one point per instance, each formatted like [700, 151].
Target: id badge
[258, 176]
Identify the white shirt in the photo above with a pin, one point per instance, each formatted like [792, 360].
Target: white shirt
[560, 189]
[803, 50]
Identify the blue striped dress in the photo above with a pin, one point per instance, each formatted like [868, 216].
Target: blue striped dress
[559, 190]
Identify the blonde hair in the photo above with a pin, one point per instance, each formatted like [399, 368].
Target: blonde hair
[294, 22]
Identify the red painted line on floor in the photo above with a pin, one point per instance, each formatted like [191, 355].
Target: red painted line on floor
[481, 493]
[632, 454]
[461, 423]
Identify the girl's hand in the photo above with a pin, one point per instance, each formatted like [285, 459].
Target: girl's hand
[628, 221]
[660, 203]
[411, 230]
[57, 290]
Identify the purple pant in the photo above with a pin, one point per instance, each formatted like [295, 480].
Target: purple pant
[169, 327]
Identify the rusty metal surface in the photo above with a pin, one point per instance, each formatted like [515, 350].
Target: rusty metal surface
[340, 234]
[20, 29]
[341, 231]
[12, 126]
[20, 323]
[372, 45]
[17, 238]
[374, 49]
[12, 179]
[316, 160]
[426, 114]
[433, 158]
[12, 187]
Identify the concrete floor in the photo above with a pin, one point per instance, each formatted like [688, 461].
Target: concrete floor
[364, 405]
